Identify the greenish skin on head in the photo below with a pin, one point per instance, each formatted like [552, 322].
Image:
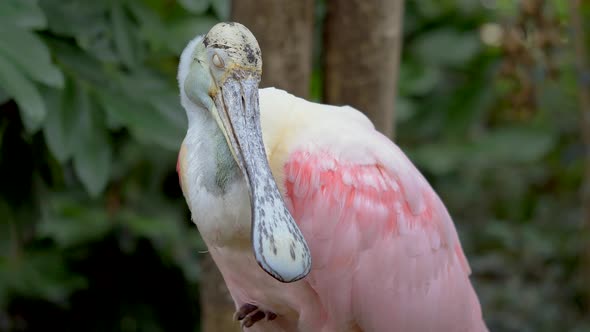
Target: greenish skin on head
[231, 43]
[227, 169]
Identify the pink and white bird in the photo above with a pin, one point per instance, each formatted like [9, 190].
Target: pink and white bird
[316, 221]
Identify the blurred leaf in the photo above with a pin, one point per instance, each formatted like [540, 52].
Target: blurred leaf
[122, 35]
[144, 121]
[79, 64]
[74, 18]
[30, 54]
[418, 79]
[40, 274]
[151, 88]
[404, 109]
[3, 97]
[469, 103]
[26, 95]
[92, 156]
[152, 29]
[168, 105]
[151, 228]
[439, 158]
[468, 7]
[447, 47]
[560, 8]
[175, 240]
[71, 222]
[7, 240]
[222, 8]
[87, 22]
[432, 9]
[556, 96]
[151, 109]
[63, 119]
[185, 29]
[504, 145]
[22, 13]
[512, 144]
[195, 6]
[504, 233]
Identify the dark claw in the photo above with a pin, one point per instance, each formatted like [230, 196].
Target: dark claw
[251, 319]
[249, 314]
[244, 310]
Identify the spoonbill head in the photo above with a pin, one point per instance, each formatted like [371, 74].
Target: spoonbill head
[219, 75]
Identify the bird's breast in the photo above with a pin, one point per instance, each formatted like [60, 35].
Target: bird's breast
[223, 220]
[219, 208]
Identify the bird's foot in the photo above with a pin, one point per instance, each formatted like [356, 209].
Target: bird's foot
[249, 314]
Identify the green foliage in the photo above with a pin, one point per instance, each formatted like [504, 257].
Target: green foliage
[89, 131]
[511, 184]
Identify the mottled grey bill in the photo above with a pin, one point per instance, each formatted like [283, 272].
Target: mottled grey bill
[279, 246]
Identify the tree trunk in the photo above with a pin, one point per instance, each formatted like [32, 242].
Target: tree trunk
[284, 30]
[362, 44]
[217, 306]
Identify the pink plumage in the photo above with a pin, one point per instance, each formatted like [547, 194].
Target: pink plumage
[385, 252]
[378, 262]
[366, 244]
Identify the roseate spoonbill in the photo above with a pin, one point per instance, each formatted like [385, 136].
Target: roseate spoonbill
[316, 221]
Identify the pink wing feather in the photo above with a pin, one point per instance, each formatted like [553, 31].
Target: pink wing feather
[385, 252]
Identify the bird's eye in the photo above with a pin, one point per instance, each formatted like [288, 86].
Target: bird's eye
[217, 61]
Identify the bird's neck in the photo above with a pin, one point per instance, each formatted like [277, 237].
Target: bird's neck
[219, 167]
